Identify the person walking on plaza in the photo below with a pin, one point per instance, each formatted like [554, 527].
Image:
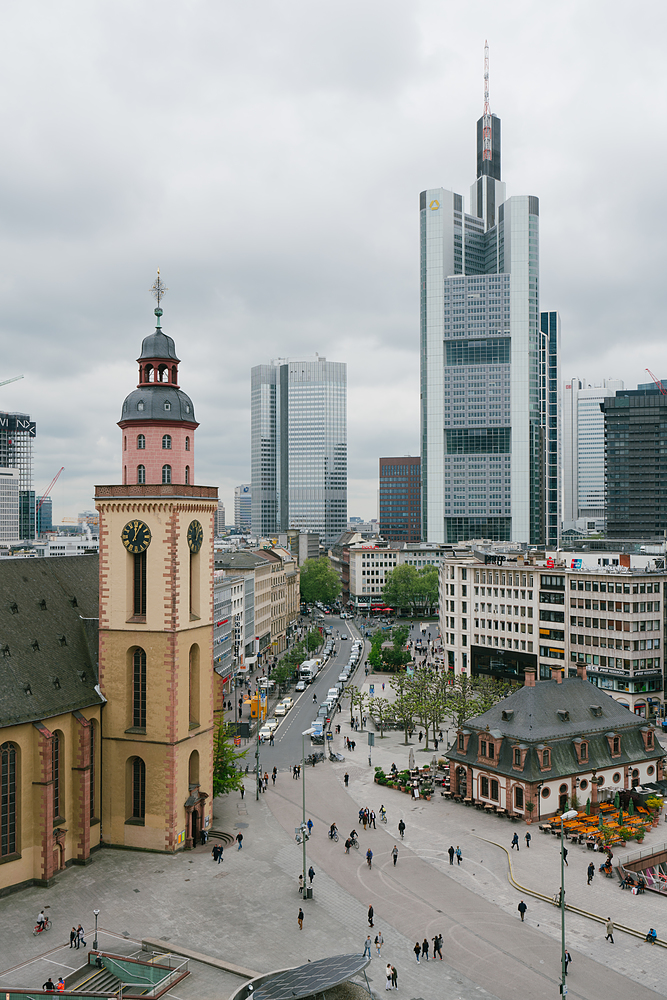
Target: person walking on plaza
[367, 946]
[458, 855]
[515, 841]
[527, 838]
[567, 959]
[417, 950]
[309, 824]
[299, 919]
[425, 949]
[451, 854]
[346, 779]
[387, 973]
[301, 883]
[242, 791]
[401, 828]
[522, 909]
[565, 857]
[73, 936]
[591, 872]
[274, 774]
[239, 840]
[370, 915]
[394, 978]
[610, 930]
[82, 937]
[311, 874]
[371, 819]
[379, 941]
[437, 946]
[394, 854]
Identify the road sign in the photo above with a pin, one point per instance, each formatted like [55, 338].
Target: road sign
[371, 739]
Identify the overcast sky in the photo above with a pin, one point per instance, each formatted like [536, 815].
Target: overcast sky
[268, 157]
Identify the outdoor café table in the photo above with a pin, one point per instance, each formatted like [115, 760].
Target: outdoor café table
[468, 800]
[488, 807]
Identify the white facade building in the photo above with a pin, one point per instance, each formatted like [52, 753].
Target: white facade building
[370, 563]
[9, 505]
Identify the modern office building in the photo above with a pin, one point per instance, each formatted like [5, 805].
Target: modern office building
[9, 506]
[550, 398]
[44, 515]
[400, 499]
[220, 517]
[17, 431]
[299, 447]
[243, 507]
[583, 452]
[635, 429]
[481, 415]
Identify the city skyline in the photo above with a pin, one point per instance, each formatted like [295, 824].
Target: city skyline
[350, 128]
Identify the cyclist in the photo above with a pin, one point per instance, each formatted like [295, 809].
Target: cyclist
[401, 828]
[41, 920]
[369, 858]
[333, 831]
[383, 814]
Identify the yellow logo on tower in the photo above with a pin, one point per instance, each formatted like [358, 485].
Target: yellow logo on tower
[434, 206]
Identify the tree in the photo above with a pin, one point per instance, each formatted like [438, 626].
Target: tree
[381, 711]
[403, 704]
[226, 776]
[313, 640]
[408, 587]
[398, 656]
[357, 700]
[468, 697]
[319, 581]
[374, 658]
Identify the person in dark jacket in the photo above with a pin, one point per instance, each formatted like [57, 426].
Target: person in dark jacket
[417, 950]
[522, 909]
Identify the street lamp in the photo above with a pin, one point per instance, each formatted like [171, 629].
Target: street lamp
[97, 913]
[306, 732]
[570, 814]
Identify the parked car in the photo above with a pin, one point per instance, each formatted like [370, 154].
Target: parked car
[280, 709]
[271, 723]
[288, 702]
[300, 686]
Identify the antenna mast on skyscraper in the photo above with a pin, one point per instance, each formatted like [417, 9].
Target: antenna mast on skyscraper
[486, 122]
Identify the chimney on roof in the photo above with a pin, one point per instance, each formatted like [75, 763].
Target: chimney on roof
[581, 671]
[557, 675]
[529, 677]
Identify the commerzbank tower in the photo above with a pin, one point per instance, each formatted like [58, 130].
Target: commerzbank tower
[488, 418]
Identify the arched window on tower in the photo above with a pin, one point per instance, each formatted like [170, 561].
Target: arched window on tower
[139, 596]
[56, 747]
[92, 774]
[125, 442]
[163, 373]
[173, 374]
[149, 374]
[139, 689]
[194, 686]
[138, 789]
[8, 760]
[187, 443]
[187, 475]
[166, 442]
[124, 475]
[141, 474]
[141, 442]
[166, 473]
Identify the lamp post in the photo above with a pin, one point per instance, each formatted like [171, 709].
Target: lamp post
[539, 796]
[97, 913]
[306, 732]
[570, 814]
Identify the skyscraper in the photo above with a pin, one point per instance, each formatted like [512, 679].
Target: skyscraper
[242, 506]
[550, 396]
[299, 447]
[482, 422]
[399, 504]
[583, 452]
[17, 431]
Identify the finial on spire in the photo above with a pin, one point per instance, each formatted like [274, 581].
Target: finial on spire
[158, 290]
[486, 123]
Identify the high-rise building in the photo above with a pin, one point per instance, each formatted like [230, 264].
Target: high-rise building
[635, 431]
[17, 431]
[550, 397]
[44, 515]
[9, 506]
[299, 447]
[583, 453]
[481, 415]
[243, 507]
[400, 499]
[220, 518]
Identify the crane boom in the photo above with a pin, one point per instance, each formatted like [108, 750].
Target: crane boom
[49, 488]
[14, 379]
[657, 382]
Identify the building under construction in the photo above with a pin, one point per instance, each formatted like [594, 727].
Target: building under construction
[17, 431]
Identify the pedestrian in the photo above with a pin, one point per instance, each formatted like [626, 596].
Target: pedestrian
[239, 840]
[352, 745]
[298, 770]
[204, 837]
[293, 771]
[451, 854]
[364, 819]
[82, 937]
[610, 930]
[401, 828]
[388, 975]
[372, 819]
[458, 855]
[379, 941]
[299, 919]
[274, 775]
[421, 736]
[361, 815]
[425, 949]
[527, 838]
[48, 986]
[435, 743]
[567, 958]
[591, 872]
[73, 938]
[309, 824]
[417, 950]
[522, 909]
[437, 946]
[394, 978]
[60, 985]
[515, 841]
[565, 856]
[348, 845]
[242, 790]
[370, 915]
[367, 946]
[346, 779]
[394, 854]
[311, 874]
[301, 884]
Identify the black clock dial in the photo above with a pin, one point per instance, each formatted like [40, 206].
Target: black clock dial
[136, 537]
[195, 536]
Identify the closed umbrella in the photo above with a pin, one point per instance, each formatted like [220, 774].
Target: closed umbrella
[601, 823]
[617, 800]
[631, 808]
[588, 807]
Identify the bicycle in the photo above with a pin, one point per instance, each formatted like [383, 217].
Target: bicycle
[383, 815]
[369, 858]
[39, 928]
[333, 835]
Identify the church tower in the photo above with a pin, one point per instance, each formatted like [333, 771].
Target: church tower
[156, 617]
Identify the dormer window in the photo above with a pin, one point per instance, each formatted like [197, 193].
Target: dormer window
[517, 757]
[649, 739]
[140, 404]
[546, 758]
[187, 407]
[616, 745]
[461, 743]
[583, 751]
[167, 405]
[482, 748]
[492, 750]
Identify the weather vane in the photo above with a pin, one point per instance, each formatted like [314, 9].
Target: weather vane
[158, 289]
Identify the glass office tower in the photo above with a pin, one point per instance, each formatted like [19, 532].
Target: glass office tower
[482, 416]
[299, 447]
[550, 395]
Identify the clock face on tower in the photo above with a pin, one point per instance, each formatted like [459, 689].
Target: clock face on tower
[136, 537]
[195, 536]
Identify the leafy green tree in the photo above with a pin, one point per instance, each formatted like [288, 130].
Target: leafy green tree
[468, 697]
[313, 640]
[357, 700]
[226, 776]
[408, 587]
[319, 581]
[374, 657]
[403, 703]
[423, 695]
[398, 656]
[381, 711]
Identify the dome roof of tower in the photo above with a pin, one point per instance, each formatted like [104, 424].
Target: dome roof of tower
[158, 345]
[158, 402]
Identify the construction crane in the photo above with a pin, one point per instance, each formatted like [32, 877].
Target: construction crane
[8, 380]
[48, 489]
[657, 382]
